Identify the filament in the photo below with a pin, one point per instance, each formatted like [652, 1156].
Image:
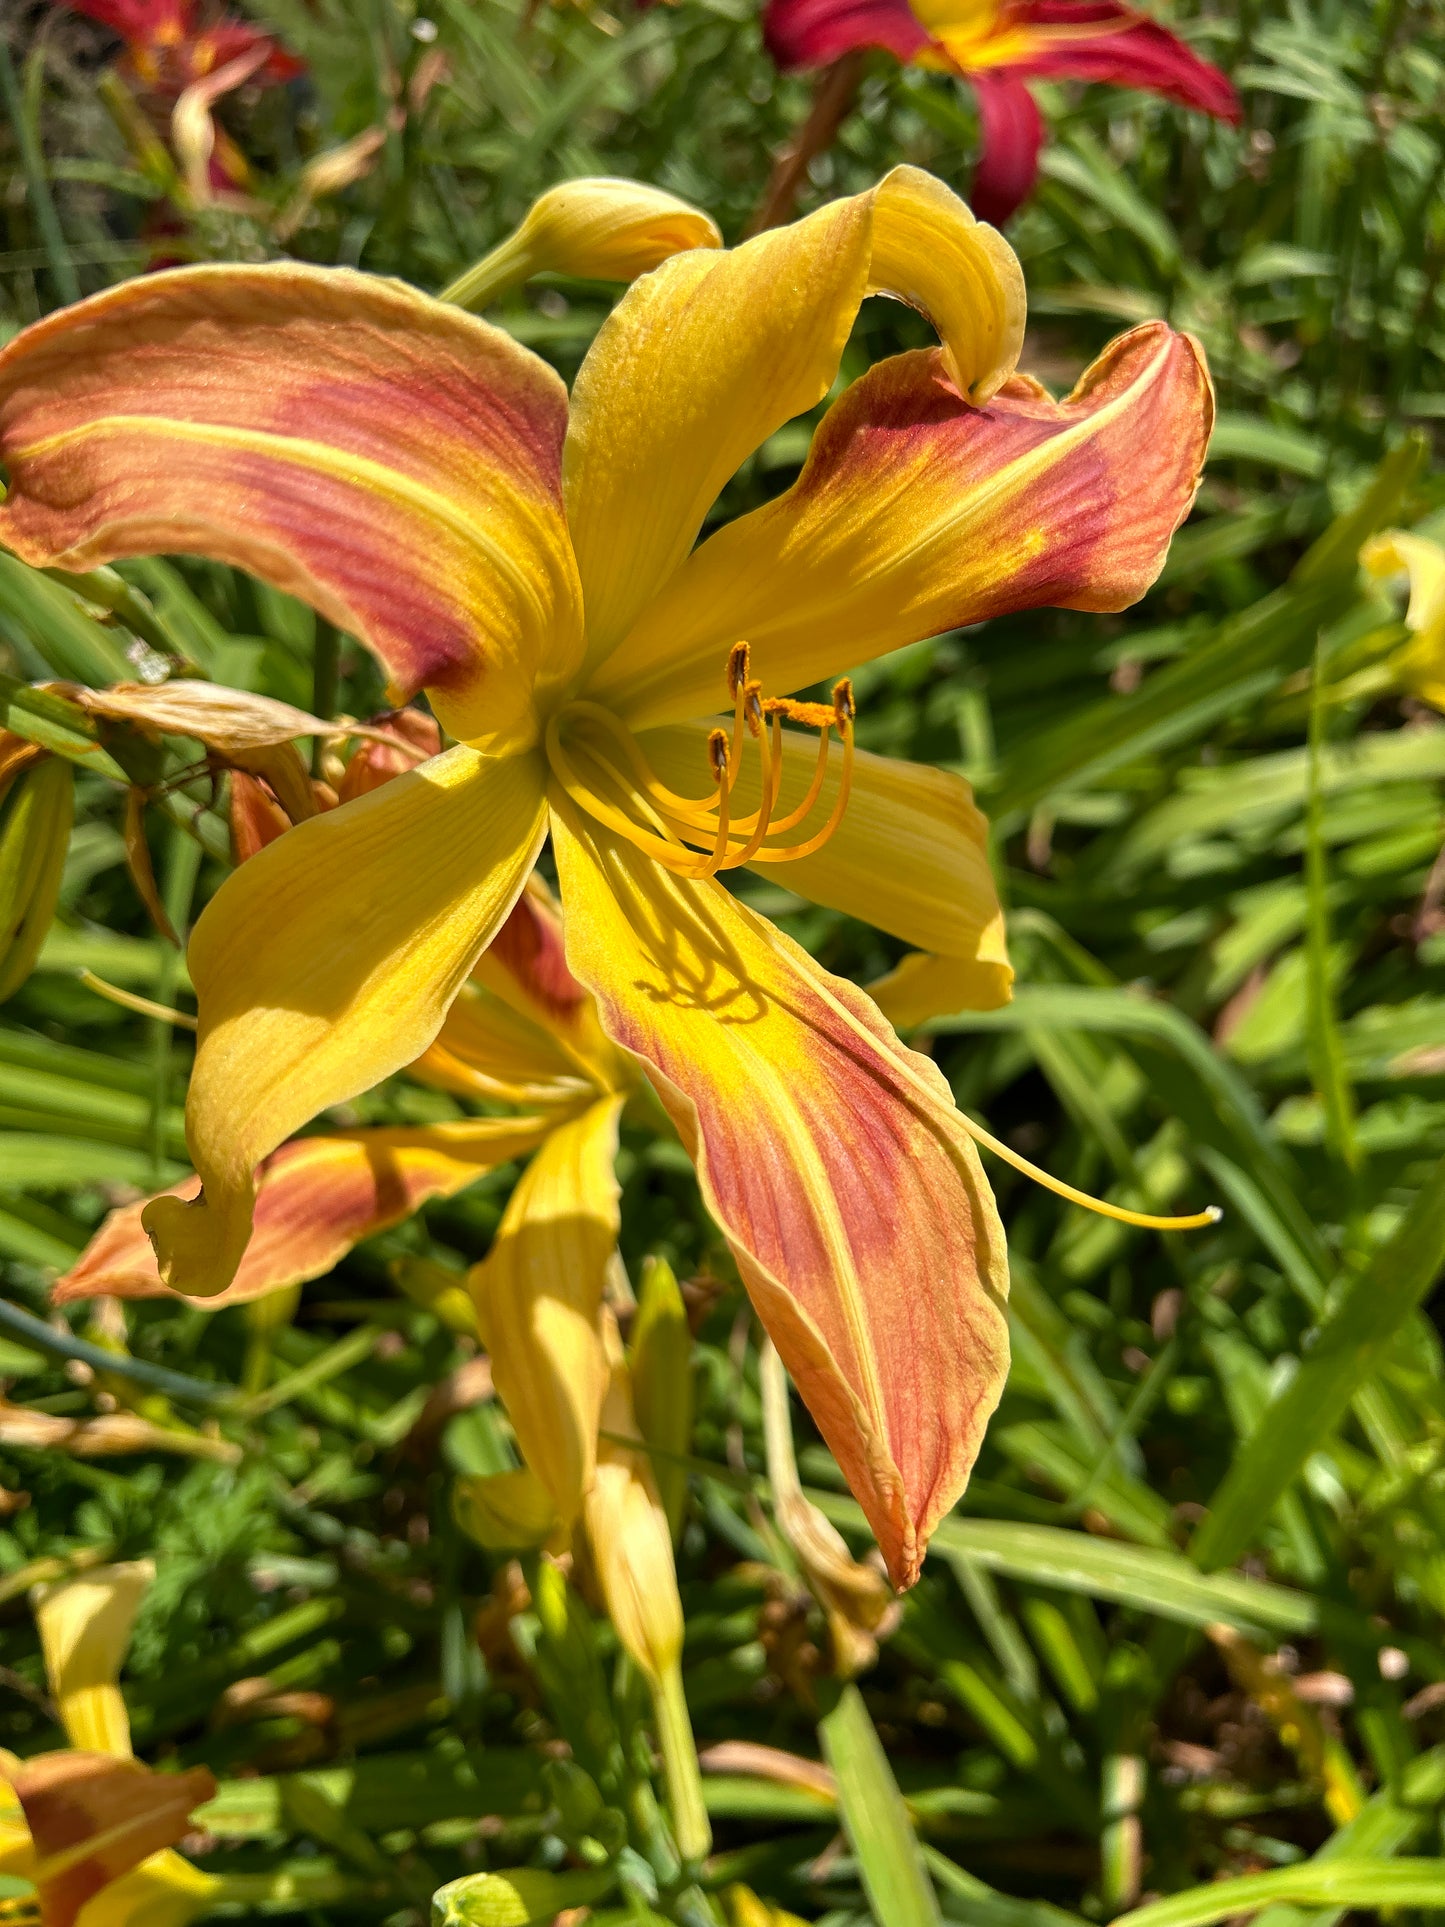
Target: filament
[605, 771]
[129, 1000]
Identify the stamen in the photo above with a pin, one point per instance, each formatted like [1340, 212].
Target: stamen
[1145, 1220]
[696, 836]
[844, 710]
[930, 1100]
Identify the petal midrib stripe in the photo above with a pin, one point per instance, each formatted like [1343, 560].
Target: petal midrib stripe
[296, 451]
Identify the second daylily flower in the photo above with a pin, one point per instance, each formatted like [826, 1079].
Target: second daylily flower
[423, 481]
[998, 47]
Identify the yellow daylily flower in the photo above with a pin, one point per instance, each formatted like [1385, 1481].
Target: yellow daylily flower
[91, 1827]
[1420, 665]
[425, 483]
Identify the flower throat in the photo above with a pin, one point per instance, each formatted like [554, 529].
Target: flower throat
[603, 769]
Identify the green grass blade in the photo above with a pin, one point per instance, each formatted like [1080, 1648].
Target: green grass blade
[1349, 1883]
[1350, 1348]
[875, 1818]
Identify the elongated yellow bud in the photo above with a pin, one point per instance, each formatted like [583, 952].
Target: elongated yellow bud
[660, 1361]
[37, 807]
[85, 1626]
[597, 228]
[631, 1544]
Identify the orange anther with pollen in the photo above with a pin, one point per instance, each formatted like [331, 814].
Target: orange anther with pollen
[739, 663]
[717, 753]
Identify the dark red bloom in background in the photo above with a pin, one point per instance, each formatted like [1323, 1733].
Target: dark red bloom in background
[168, 48]
[998, 46]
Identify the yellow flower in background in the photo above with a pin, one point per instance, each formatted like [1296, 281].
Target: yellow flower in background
[92, 1827]
[1420, 665]
[534, 565]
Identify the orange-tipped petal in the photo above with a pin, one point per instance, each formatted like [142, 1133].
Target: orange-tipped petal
[385, 457]
[329, 961]
[917, 513]
[703, 359]
[834, 1161]
[316, 1198]
[92, 1818]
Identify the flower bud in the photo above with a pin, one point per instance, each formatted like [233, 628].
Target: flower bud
[598, 229]
[37, 807]
[515, 1897]
[660, 1361]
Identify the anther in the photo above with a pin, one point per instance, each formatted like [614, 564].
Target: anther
[844, 707]
[717, 754]
[753, 706]
[739, 663]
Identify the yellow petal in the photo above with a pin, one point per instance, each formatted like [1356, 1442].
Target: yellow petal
[85, 1626]
[700, 362]
[917, 513]
[539, 1300]
[505, 1511]
[327, 962]
[524, 1031]
[164, 1891]
[1420, 665]
[385, 457]
[909, 856]
[596, 228]
[834, 1161]
[316, 1198]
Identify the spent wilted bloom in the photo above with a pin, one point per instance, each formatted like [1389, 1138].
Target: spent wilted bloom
[998, 47]
[533, 564]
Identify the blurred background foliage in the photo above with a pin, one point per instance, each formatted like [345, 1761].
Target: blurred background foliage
[1186, 1623]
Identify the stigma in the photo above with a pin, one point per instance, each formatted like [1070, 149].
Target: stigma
[602, 767]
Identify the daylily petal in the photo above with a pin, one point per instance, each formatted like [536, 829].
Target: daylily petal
[164, 1891]
[85, 1624]
[1101, 40]
[231, 721]
[524, 1031]
[596, 228]
[814, 33]
[924, 985]
[93, 1818]
[316, 1198]
[1420, 664]
[833, 1160]
[326, 963]
[383, 456]
[909, 856]
[916, 513]
[1010, 133]
[539, 1301]
[702, 360]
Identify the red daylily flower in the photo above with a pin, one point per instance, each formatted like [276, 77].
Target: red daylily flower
[998, 46]
[167, 49]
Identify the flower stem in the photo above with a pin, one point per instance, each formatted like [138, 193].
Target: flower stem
[832, 103]
[690, 1824]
